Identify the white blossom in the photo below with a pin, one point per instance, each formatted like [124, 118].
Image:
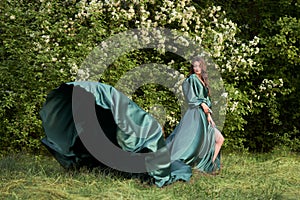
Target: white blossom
[224, 94]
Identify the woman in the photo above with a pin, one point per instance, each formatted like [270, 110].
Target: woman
[196, 140]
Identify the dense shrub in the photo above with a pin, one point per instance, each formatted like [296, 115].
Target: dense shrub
[45, 42]
[276, 23]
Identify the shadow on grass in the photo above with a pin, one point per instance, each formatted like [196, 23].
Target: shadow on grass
[46, 165]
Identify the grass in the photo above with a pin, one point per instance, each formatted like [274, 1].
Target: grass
[244, 176]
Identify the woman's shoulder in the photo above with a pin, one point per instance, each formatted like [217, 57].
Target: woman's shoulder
[191, 78]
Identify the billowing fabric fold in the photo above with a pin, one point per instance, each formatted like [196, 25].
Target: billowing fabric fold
[124, 123]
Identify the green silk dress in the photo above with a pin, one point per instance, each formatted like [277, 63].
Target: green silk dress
[193, 139]
[67, 122]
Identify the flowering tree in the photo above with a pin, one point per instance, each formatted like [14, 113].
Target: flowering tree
[277, 25]
[49, 40]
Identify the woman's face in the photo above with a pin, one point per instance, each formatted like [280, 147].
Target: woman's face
[197, 68]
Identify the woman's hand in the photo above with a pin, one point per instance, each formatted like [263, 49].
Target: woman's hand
[205, 108]
[210, 120]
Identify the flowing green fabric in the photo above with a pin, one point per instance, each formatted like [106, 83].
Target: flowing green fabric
[130, 129]
[125, 124]
[193, 140]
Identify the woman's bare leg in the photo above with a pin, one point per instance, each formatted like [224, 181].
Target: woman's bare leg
[219, 142]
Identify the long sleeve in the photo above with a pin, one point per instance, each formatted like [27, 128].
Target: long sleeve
[194, 92]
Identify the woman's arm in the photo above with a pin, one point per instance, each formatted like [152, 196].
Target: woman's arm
[210, 120]
[205, 108]
[194, 94]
